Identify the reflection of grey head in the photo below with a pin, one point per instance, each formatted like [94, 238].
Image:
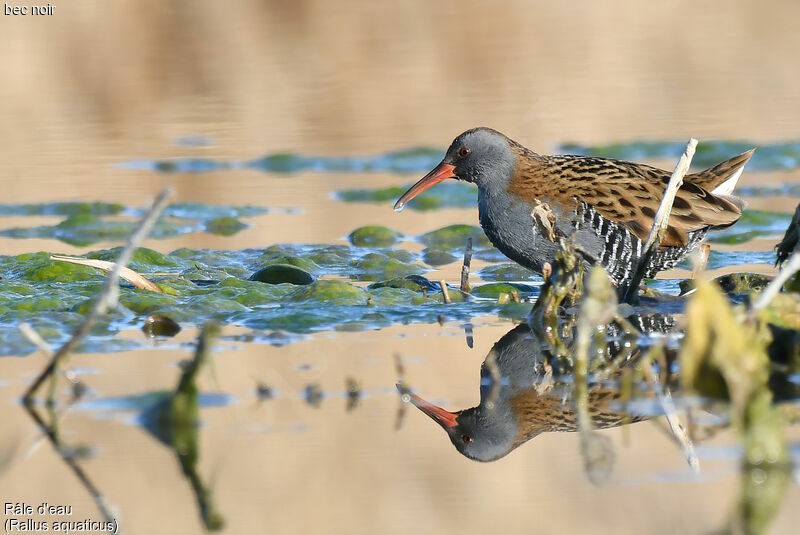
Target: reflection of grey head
[480, 433]
[483, 434]
[481, 156]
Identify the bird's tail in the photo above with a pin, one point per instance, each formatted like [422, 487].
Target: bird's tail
[722, 178]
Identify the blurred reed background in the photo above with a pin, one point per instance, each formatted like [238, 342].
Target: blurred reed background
[353, 77]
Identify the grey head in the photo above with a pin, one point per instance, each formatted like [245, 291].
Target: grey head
[480, 433]
[482, 156]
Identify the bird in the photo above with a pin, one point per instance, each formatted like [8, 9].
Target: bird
[526, 402]
[528, 203]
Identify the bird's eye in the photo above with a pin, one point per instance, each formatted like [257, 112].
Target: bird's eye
[464, 152]
[466, 438]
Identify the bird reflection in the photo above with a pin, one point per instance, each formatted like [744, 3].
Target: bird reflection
[521, 397]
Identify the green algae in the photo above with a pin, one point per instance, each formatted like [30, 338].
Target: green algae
[496, 289]
[61, 209]
[224, 226]
[331, 292]
[376, 266]
[417, 283]
[313, 261]
[753, 224]
[733, 283]
[455, 236]
[449, 194]
[202, 284]
[374, 236]
[88, 223]
[507, 272]
[37, 267]
[381, 195]
[438, 257]
[143, 261]
[408, 160]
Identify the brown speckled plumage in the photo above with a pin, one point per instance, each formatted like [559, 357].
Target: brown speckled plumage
[628, 193]
[540, 413]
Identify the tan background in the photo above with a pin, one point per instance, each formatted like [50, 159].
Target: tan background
[102, 82]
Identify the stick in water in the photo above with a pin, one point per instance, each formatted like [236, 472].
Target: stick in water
[671, 413]
[661, 221]
[124, 272]
[445, 293]
[109, 294]
[465, 267]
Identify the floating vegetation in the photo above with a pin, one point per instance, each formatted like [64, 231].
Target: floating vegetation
[223, 226]
[768, 157]
[283, 288]
[454, 237]
[577, 364]
[88, 223]
[495, 290]
[753, 224]
[733, 284]
[61, 209]
[376, 266]
[402, 161]
[438, 257]
[508, 272]
[373, 236]
[449, 194]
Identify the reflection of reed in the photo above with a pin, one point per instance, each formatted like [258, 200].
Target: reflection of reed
[175, 421]
[70, 458]
[106, 300]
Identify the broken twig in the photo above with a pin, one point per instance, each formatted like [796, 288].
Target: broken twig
[668, 406]
[109, 294]
[445, 293]
[466, 266]
[660, 222]
[124, 272]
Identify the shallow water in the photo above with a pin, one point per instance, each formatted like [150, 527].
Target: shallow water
[302, 129]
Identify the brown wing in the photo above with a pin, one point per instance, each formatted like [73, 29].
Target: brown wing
[628, 193]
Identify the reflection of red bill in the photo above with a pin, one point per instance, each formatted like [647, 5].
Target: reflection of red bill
[444, 417]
